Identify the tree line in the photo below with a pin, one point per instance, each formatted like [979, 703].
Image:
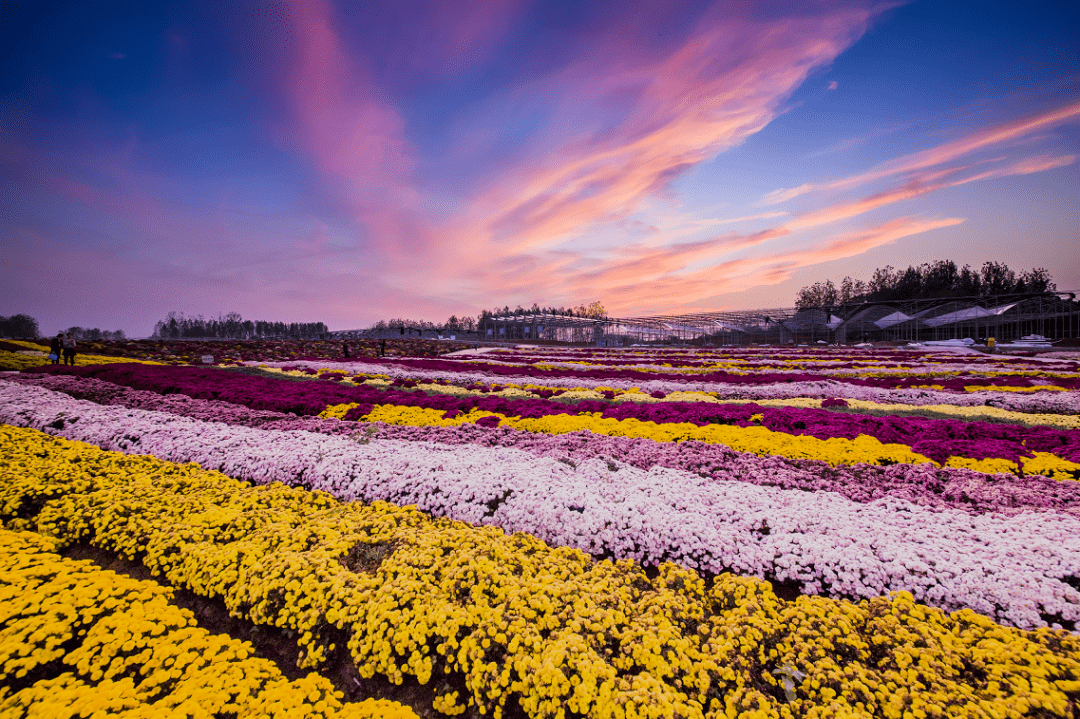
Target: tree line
[93, 334]
[595, 311]
[25, 326]
[233, 326]
[469, 324]
[18, 326]
[931, 280]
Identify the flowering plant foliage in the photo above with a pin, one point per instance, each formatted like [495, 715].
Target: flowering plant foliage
[82, 641]
[573, 533]
[820, 540]
[514, 619]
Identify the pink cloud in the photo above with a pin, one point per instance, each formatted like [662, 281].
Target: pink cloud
[783, 194]
[1040, 163]
[922, 184]
[725, 81]
[341, 122]
[703, 286]
[856, 243]
[1014, 130]
[664, 266]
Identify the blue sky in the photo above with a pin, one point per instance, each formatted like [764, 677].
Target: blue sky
[347, 162]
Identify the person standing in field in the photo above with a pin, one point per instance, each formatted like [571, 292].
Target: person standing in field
[69, 349]
[56, 347]
[345, 349]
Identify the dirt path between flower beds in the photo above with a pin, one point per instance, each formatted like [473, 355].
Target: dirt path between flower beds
[277, 646]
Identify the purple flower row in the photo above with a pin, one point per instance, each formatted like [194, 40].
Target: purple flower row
[924, 485]
[938, 439]
[1038, 402]
[771, 356]
[1017, 569]
[956, 384]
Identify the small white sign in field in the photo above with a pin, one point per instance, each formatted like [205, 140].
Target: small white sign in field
[208, 359]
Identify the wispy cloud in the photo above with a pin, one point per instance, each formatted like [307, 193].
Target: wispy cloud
[727, 79]
[922, 184]
[988, 137]
[726, 82]
[735, 220]
[784, 194]
[704, 286]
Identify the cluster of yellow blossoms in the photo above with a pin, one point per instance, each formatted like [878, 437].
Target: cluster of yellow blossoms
[945, 411]
[77, 640]
[868, 371]
[758, 440]
[488, 619]
[17, 361]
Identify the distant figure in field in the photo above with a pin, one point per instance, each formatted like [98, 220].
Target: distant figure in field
[69, 349]
[345, 349]
[56, 347]
[382, 348]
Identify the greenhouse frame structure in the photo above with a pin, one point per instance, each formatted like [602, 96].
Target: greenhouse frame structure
[1054, 315]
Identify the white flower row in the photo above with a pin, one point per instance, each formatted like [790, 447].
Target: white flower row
[1061, 402]
[1009, 568]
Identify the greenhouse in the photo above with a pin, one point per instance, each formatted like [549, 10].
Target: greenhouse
[1003, 317]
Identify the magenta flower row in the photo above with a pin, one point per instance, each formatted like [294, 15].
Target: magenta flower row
[924, 485]
[938, 439]
[1017, 569]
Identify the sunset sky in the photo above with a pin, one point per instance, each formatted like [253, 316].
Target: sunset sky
[347, 162]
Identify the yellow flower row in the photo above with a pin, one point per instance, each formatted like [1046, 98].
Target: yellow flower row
[981, 374]
[995, 388]
[758, 440]
[17, 361]
[868, 373]
[108, 643]
[981, 413]
[510, 617]
[950, 411]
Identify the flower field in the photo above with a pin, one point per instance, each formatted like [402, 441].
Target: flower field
[540, 532]
[166, 351]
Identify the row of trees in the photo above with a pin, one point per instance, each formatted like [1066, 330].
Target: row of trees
[463, 324]
[94, 334]
[469, 324]
[595, 311]
[25, 326]
[941, 279]
[233, 326]
[18, 326]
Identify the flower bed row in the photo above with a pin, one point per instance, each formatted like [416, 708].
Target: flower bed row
[769, 357]
[1017, 569]
[926, 485]
[758, 440]
[462, 375]
[191, 351]
[514, 621]
[981, 413]
[790, 432]
[76, 640]
[545, 370]
[16, 361]
[922, 484]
